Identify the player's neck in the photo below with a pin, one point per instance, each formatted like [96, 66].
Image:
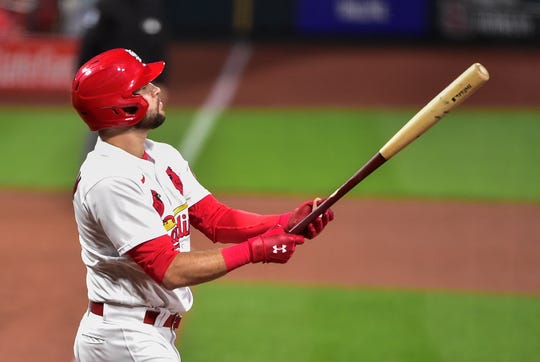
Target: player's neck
[129, 139]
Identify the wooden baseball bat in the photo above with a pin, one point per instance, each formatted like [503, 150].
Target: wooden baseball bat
[454, 94]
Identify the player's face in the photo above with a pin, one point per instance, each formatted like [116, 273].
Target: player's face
[155, 115]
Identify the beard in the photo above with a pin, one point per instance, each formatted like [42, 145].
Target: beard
[151, 121]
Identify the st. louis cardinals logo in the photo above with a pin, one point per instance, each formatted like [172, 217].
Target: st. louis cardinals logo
[177, 223]
[180, 227]
[175, 180]
[283, 249]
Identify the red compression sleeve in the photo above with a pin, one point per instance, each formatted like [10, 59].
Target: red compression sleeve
[223, 224]
[154, 256]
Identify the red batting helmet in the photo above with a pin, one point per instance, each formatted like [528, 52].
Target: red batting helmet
[102, 91]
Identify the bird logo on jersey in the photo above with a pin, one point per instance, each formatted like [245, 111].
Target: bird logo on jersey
[158, 203]
[175, 180]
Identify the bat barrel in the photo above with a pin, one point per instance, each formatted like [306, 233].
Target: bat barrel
[453, 95]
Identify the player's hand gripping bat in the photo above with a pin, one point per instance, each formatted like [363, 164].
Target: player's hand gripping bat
[453, 95]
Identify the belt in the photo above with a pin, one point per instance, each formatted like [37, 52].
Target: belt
[150, 317]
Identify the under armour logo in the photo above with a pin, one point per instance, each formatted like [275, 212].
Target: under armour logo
[283, 249]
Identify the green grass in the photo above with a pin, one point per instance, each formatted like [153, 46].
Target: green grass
[41, 147]
[471, 154]
[239, 322]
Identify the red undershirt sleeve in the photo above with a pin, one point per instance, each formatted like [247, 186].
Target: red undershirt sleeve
[223, 224]
[154, 256]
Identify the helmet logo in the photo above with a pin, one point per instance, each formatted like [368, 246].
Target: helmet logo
[134, 55]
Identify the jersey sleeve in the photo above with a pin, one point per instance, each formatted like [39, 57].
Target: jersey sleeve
[154, 256]
[125, 212]
[196, 192]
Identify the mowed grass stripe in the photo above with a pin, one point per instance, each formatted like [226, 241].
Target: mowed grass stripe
[42, 147]
[470, 154]
[239, 322]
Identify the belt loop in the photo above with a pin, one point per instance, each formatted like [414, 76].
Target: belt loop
[176, 321]
[161, 318]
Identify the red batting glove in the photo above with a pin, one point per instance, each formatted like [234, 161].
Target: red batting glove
[274, 246]
[315, 227]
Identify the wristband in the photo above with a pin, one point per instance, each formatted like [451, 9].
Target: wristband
[237, 255]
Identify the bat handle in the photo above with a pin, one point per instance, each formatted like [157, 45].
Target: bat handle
[374, 163]
[315, 213]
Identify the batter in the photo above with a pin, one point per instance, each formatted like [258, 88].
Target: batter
[135, 201]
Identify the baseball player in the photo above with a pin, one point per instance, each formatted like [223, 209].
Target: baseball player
[139, 25]
[135, 201]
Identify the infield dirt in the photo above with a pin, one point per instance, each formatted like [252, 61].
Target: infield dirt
[488, 247]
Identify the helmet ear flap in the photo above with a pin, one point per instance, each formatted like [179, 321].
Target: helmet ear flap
[141, 106]
[133, 110]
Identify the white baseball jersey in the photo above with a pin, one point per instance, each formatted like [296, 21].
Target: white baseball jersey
[121, 201]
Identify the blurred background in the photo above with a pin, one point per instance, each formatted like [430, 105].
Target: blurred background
[49, 38]
[435, 257]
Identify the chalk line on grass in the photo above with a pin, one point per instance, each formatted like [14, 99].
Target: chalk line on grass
[217, 101]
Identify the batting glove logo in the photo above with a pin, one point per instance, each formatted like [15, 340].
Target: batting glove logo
[283, 249]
